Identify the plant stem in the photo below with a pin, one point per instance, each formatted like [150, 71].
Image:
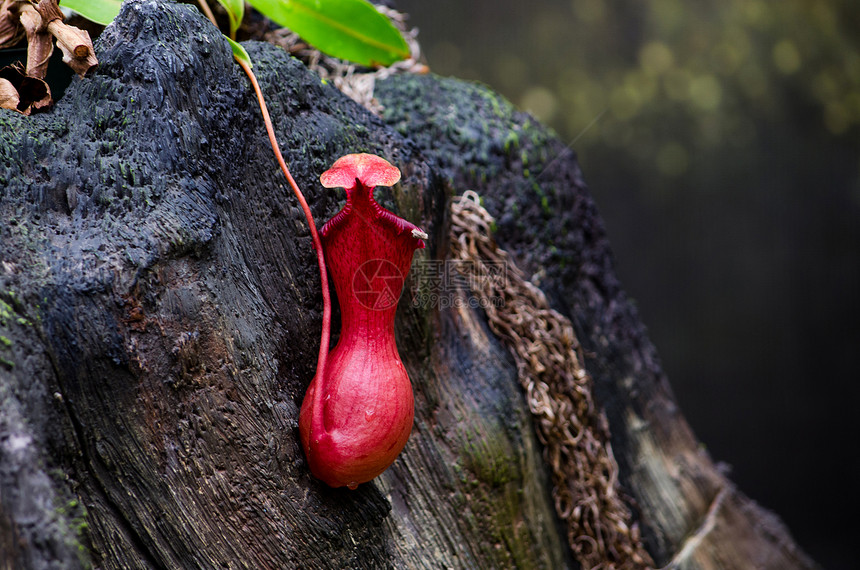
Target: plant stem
[315, 238]
[207, 11]
[326, 317]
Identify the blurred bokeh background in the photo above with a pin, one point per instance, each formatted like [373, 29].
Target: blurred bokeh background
[721, 141]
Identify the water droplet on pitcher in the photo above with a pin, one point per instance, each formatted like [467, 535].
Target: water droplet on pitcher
[368, 414]
[352, 486]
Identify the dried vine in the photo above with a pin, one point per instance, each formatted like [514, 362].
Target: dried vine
[574, 432]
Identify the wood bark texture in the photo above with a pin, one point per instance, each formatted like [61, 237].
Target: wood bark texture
[160, 313]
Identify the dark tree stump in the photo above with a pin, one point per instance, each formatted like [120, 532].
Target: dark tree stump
[160, 313]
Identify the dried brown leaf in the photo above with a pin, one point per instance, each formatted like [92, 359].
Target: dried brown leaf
[8, 95]
[42, 21]
[33, 93]
[11, 31]
[40, 44]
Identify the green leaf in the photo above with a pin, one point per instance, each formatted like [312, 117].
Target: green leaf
[236, 11]
[239, 52]
[99, 11]
[346, 29]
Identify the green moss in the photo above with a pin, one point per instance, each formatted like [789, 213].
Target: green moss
[488, 457]
[6, 312]
[544, 199]
[469, 124]
[491, 473]
[501, 108]
[75, 514]
[512, 141]
[11, 308]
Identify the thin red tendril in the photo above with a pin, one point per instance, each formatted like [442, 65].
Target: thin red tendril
[326, 318]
